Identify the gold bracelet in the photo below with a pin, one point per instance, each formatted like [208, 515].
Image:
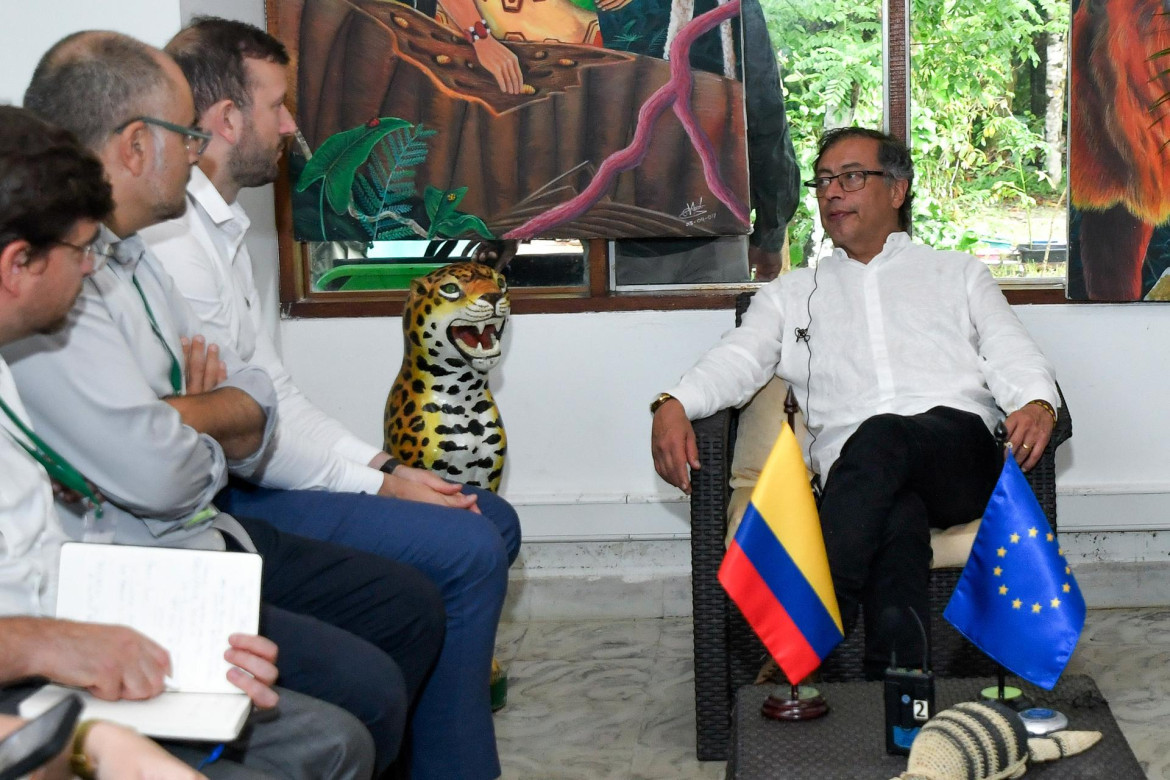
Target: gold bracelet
[1046, 407]
[79, 763]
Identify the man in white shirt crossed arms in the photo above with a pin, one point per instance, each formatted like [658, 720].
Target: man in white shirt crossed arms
[319, 480]
[46, 250]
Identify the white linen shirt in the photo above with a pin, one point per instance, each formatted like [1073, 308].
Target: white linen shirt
[30, 533]
[205, 253]
[93, 391]
[912, 329]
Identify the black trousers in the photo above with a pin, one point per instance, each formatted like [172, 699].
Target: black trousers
[354, 629]
[896, 478]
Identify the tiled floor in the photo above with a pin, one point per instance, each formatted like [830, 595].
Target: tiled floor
[614, 699]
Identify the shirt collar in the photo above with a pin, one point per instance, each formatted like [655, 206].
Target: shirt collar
[229, 216]
[894, 243]
[126, 252]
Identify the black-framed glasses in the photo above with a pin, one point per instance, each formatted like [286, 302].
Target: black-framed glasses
[97, 257]
[850, 181]
[194, 139]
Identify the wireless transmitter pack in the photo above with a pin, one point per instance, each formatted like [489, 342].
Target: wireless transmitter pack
[909, 693]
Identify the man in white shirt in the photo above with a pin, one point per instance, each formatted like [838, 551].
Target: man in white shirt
[318, 479]
[904, 360]
[109, 392]
[53, 196]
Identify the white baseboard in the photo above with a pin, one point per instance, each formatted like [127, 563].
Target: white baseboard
[627, 579]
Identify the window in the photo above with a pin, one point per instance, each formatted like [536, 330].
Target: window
[978, 89]
[987, 128]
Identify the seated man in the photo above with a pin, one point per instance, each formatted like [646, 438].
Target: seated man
[318, 479]
[904, 359]
[46, 237]
[129, 395]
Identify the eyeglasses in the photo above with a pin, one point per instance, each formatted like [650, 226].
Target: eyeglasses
[88, 251]
[194, 139]
[850, 181]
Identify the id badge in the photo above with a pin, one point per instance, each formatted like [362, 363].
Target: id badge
[99, 527]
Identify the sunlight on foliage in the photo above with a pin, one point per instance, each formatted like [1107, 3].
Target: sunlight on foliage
[977, 144]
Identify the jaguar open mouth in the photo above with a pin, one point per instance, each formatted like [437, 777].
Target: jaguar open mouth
[477, 339]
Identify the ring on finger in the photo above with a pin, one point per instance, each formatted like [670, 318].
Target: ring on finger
[1026, 446]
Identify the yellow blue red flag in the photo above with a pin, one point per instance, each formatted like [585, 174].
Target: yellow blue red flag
[1017, 599]
[776, 570]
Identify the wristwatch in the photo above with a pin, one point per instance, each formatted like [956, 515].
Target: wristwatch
[389, 466]
[659, 400]
[79, 762]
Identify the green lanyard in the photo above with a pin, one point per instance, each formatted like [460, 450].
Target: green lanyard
[59, 469]
[176, 370]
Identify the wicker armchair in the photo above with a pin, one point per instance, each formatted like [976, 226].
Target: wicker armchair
[728, 654]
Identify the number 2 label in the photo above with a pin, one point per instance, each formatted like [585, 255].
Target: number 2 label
[921, 709]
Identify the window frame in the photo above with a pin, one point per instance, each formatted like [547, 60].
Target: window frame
[298, 300]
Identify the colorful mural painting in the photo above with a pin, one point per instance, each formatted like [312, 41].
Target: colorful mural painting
[414, 125]
[1119, 160]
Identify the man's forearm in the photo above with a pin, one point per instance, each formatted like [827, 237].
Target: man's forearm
[228, 415]
[20, 638]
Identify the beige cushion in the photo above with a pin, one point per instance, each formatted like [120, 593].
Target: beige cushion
[759, 425]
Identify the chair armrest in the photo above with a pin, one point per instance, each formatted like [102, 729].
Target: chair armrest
[709, 495]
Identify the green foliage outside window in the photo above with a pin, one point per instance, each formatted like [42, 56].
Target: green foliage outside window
[977, 127]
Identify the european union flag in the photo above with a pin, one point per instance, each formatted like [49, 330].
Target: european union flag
[1017, 599]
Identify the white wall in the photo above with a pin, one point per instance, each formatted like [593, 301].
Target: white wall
[573, 388]
[32, 26]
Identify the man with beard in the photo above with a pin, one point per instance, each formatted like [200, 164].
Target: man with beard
[318, 479]
[53, 198]
[155, 419]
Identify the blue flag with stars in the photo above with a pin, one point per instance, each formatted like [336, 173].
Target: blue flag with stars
[1017, 599]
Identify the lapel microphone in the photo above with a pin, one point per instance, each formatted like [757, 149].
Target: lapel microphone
[802, 334]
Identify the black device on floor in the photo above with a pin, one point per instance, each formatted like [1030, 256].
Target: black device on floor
[38, 741]
[909, 693]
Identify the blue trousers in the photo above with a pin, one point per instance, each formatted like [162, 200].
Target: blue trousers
[466, 556]
[354, 629]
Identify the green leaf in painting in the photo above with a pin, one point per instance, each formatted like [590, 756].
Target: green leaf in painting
[339, 158]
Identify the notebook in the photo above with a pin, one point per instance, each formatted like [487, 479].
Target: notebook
[188, 601]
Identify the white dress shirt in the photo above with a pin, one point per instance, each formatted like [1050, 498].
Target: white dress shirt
[93, 391]
[913, 329]
[205, 253]
[30, 533]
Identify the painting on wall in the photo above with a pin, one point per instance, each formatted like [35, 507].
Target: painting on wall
[535, 119]
[1119, 160]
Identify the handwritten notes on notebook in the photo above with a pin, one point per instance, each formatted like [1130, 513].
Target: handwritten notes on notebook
[188, 601]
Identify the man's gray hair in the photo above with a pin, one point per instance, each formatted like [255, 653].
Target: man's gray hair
[91, 82]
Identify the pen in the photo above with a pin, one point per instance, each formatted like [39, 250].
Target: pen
[212, 757]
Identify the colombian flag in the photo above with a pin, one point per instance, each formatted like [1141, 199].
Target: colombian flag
[776, 570]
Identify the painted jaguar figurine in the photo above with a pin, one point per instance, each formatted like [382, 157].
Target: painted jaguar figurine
[440, 414]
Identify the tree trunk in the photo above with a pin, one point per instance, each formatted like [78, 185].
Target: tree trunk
[1054, 113]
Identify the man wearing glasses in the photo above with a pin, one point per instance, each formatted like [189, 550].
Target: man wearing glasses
[47, 250]
[902, 358]
[130, 395]
[318, 479]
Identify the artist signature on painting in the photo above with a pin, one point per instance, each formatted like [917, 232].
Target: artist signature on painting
[695, 213]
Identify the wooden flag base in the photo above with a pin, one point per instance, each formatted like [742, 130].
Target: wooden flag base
[803, 703]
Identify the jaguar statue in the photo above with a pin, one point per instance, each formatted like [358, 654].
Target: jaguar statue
[440, 414]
